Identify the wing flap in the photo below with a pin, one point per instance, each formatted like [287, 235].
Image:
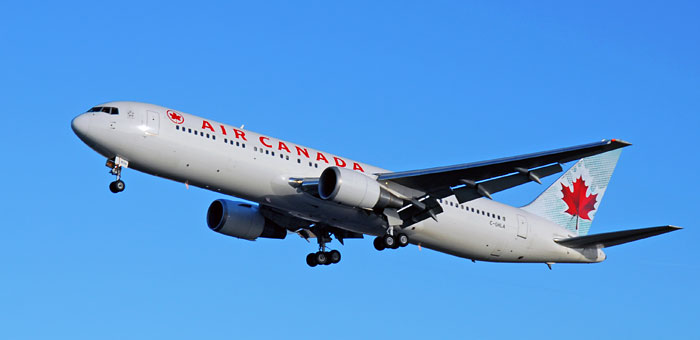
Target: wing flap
[484, 189]
[615, 238]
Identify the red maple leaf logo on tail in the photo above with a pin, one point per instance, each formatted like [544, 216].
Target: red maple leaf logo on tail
[578, 203]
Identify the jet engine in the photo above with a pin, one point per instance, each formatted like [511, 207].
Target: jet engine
[355, 189]
[241, 220]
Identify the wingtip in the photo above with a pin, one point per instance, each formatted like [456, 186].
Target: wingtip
[620, 141]
[674, 227]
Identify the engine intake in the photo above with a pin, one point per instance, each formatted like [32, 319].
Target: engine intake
[354, 189]
[241, 220]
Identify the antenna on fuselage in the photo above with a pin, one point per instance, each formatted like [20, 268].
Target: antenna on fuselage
[242, 126]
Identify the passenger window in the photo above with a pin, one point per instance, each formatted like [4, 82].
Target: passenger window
[213, 137]
[237, 143]
[316, 165]
[189, 130]
[225, 140]
[255, 148]
[177, 127]
[267, 152]
[298, 160]
[243, 145]
[287, 157]
[273, 153]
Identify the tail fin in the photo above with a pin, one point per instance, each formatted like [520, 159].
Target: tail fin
[573, 200]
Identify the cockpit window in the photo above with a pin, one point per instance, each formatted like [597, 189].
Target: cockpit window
[105, 109]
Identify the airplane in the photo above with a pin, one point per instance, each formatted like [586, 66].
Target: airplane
[316, 194]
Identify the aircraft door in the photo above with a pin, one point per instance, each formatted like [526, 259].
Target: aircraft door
[522, 226]
[153, 122]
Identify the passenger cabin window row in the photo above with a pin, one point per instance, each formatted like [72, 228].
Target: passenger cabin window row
[282, 156]
[471, 209]
[196, 133]
[242, 145]
[105, 109]
[234, 143]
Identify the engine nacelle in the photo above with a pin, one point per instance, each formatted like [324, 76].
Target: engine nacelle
[241, 220]
[354, 189]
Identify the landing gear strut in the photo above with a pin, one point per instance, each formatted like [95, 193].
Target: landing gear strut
[322, 257]
[115, 166]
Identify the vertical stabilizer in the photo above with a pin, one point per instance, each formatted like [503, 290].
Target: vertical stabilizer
[573, 200]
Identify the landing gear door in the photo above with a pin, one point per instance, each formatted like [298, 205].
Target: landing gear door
[522, 226]
[153, 122]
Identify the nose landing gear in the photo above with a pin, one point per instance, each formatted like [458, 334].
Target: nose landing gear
[115, 166]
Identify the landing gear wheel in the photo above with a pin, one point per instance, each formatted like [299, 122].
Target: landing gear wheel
[389, 241]
[334, 256]
[379, 243]
[117, 186]
[402, 240]
[311, 260]
[322, 257]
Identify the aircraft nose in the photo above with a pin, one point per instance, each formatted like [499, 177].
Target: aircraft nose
[81, 125]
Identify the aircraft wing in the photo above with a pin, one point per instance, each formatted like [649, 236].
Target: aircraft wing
[615, 238]
[481, 179]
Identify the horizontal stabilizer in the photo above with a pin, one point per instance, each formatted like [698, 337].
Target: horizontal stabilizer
[615, 238]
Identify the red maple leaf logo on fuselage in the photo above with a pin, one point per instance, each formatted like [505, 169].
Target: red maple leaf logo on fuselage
[576, 200]
[175, 117]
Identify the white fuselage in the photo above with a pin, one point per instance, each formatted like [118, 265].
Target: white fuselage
[242, 163]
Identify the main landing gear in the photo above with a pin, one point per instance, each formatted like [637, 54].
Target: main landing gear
[390, 241]
[116, 170]
[322, 257]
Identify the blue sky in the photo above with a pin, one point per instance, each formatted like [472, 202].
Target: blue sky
[402, 85]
